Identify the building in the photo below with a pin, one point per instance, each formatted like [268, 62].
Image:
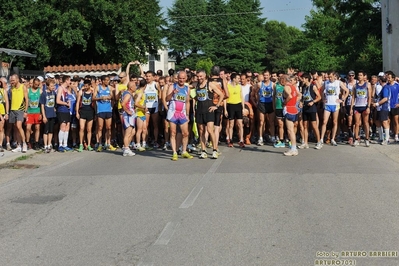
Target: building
[161, 61]
[390, 35]
[84, 70]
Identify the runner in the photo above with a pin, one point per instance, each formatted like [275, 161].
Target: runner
[394, 102]
[331, 91]
[278, 100]
[103, 95]
[129, 117]
[360, 106]
[351, 83]
[152, 100]
[33, 116]
[178, 110]
[266, 113]
[85, 114]
[204, 112]
[4, 111]
[141, 109]
[382, 104]
[19, 100]
[48, 99]
[233, 109]
[310, 98]
[63, 113]
[291, 112]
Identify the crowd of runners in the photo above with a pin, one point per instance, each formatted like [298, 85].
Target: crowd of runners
[187, 111]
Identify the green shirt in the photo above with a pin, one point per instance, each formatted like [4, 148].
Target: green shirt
[279, 96]
[33, 101]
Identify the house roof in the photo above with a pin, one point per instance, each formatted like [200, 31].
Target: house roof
[82, 68]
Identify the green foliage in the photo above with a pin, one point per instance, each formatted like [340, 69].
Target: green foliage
[205, 64]
[81, 32]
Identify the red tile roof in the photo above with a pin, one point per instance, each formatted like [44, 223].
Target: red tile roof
[82, 68]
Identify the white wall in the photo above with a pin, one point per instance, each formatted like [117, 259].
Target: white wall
[390, 41]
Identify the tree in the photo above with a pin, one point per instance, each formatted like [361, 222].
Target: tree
[82, 32]
[186, 32]
[205, 64]
[280, 45]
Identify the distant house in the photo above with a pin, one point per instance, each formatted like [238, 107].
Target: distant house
[161, 61]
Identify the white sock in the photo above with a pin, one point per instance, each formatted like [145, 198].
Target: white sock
[66, 134]
[144, 143]
[60, 137]
[386, 134]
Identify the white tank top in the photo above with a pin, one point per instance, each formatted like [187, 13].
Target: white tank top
[245, 92]
[151, 96]
[331, 92]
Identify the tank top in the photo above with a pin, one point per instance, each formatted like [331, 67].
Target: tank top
[86, 103]
[2, 102]
[266, 92]
[18, 98]
[151, 96]
[331, 92]
[204, 98]
[129, 104]
[308, 96]
[279, 96]
[33, 101]
[246, 91]
[64, 98]
[361, 91]
[349, 98]
[291, 106]
[140, 111]
[178, 101]
[234, 93]
[122, 88]
[103, 106]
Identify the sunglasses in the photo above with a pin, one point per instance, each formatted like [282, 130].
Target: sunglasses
[121, 77]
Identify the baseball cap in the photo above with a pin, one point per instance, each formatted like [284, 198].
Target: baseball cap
[351, 72]
[381, 74]
[40, 78]
[49, 76]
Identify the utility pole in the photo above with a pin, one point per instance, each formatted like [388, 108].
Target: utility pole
[390, 35]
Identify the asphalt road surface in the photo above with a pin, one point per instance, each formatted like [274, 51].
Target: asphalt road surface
[249, 207]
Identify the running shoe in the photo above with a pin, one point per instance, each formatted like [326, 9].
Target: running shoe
[89, 148]
[215, 155]
[367, 142]
[128, 152]
[111, 148]
[291, 152]
[140, 148]
[99, 148]
[242, 145]
[156, 145]
[80, 149]
[17, 149]
[334, 143]
[203, 155]
[8, 147]
[1, 149]
[260, 142]
[165, 147]
[61, 149]
[356, 143]
[279, 145]
[303, 146]
[209, 144]
[186, 155]
[24, 147]
[66, 148]
[318, 146]
[385, 142]
[229, 143]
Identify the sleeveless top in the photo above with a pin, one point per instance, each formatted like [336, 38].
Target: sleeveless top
[291, 106]
[308, 96]
[151, 96]
[279, 96]
[64, 98]
[361, 91]
[204, 98]
[178, 101]
[266, 92]
[129, 104]
[122, 88]
[331, 92]
[2, 102]
[17, 98]
[33, 101]
[86, 102]
[139, 111]
[103, 106]
[234, 93]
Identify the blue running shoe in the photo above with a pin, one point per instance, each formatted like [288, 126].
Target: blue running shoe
[67, 149]
[61, 149]
[279, 145]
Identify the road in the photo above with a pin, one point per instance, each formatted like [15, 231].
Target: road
[250, 207]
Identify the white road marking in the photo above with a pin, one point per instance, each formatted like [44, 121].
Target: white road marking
[167, 233]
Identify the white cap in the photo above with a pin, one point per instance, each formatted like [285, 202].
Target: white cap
[49, 76]
[40, 78]
[381, 74]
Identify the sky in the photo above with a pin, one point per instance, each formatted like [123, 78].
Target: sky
[292, 12]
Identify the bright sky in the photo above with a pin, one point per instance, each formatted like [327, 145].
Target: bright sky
[292, 12]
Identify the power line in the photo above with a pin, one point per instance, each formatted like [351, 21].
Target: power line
[240, 13]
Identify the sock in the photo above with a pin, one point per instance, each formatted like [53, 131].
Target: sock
[60, 137]
[386, 134]
[380, 133]
[144, 143]
[66, 134]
